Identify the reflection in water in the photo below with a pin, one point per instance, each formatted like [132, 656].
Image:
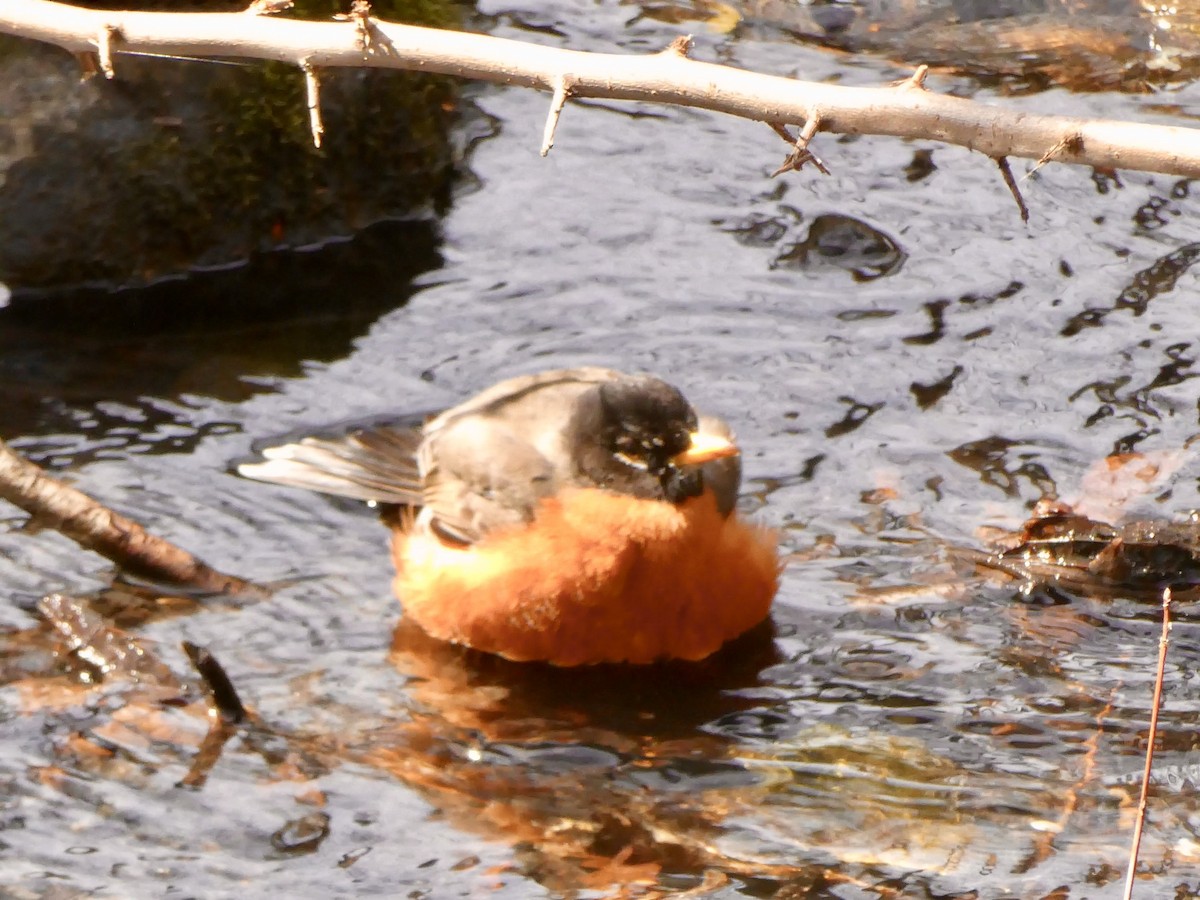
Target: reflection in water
[927, 395]
[992, 458]
[833, 241]
[1144, 405]
[116, 366]
[598, 777]
[912, 725]
[845, 243]
[1147, 285]
[750, 767]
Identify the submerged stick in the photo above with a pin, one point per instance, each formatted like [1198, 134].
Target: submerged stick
[226, 714]
[96, 527]
[1136, 843]
[221, 692]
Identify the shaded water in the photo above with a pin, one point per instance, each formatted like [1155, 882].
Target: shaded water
[905, 362]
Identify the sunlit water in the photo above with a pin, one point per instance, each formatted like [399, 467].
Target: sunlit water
[905, 362]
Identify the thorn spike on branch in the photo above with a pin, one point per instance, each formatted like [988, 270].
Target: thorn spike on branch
[312, 87]
[360, 15]
[1007, 175]
[89, 65]
[811, 126]
[104, 41]
[1069, 145]
[989, 128]
[681, 46]
[916, 81]
[562, 90]
[781, 129]
[800, 154]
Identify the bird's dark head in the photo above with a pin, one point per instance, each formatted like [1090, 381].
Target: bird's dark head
[639, 435]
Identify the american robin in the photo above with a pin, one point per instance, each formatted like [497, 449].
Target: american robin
[575, 516]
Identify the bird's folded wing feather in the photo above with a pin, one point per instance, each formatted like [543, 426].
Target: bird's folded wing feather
[372, 463]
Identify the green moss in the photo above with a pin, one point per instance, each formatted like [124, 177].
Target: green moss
[182, 163]
[250, 173]
[437, 13]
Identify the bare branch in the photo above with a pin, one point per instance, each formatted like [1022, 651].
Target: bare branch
[667, 77]
[97, 528]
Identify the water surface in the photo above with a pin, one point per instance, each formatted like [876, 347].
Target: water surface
[905, 362]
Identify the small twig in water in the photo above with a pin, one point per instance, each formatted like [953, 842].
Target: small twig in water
[228, 709]
[220, 689]
[1135, 844]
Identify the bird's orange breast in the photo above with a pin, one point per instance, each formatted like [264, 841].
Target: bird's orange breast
[596, 577]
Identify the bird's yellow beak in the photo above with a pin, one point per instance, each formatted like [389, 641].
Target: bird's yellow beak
[705, 448]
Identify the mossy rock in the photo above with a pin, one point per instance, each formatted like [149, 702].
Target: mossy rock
[183, 164]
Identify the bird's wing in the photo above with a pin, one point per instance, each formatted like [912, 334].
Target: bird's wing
[373, 462]
[480, 475]
[522, 391]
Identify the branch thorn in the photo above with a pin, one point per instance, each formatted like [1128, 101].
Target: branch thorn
[800, 154]
[360, 15]
[1071, 144]
[312, 86]
[1007, 175]
[104, 40]
[562, 90]
[89, 65]
[915, 81]
[681, 46]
